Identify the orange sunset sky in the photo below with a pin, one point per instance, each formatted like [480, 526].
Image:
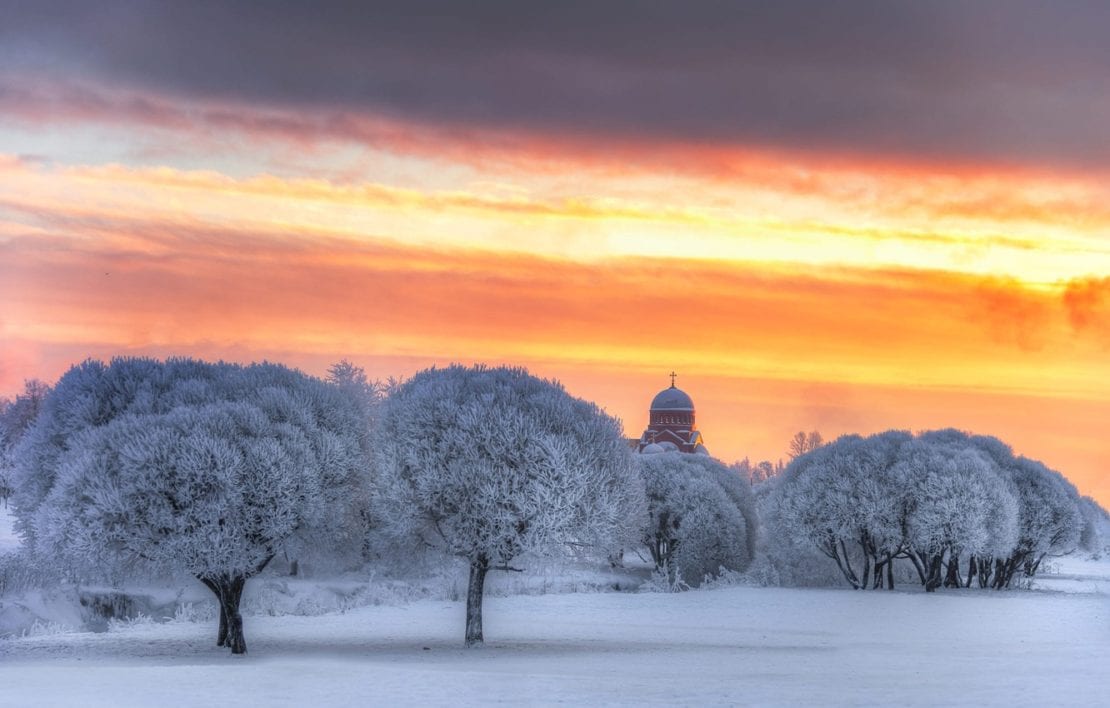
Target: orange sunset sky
[884, 217]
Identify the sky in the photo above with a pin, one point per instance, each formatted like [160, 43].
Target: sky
[845, 217]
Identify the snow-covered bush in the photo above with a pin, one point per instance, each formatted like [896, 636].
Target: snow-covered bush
[701, 517]
[489, 464]
[190, 467]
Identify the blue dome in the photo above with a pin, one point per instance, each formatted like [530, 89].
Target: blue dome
[672, 399]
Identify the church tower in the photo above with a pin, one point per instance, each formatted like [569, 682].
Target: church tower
[671, 424]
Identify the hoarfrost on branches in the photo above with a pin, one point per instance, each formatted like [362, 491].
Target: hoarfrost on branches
[16, 418]
[958, 505]
[489, 464]
[1050, 521]
[1095, 534]
[940, 499]
[701, 517]
[846, 498]
[188, 466]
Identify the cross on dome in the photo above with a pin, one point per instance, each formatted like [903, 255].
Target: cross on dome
[671, 423]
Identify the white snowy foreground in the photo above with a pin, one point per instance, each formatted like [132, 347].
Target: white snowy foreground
[731, 646]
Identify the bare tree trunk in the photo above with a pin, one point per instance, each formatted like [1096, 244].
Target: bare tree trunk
[1004, 570]
[840, 555]
[474, 591]
[660, 550]
[1031, 567]
[985, 566]
[229, 591]
[221, 635]
[952, 574]
[234, 593]
[933, 579]
[999, 574]
[884, 572]
[918, 565]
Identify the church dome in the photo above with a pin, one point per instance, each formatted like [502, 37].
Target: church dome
[672, 399]
[652, 449]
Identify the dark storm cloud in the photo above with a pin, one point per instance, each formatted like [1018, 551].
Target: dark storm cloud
[1011, 81]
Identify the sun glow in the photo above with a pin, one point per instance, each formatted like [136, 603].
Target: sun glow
[952, 287]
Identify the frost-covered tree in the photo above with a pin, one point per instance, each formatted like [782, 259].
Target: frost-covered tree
[998, 506]
[785, 556]
[352, 381]
[847, 499]
[760, 472]
[1095, 533]
[188, 466]
[804, 442]
[88, 395]
[1049, 520]
[938, 499]
[489, 464]
[16, 417]
[701, 516]
[958, 506]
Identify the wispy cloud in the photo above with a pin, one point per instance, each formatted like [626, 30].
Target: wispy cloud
[893, 221]
[759, 344]
[117, 278]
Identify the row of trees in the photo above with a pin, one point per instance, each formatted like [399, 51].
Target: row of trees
[759, 472]
[214, 469]
[962, 509]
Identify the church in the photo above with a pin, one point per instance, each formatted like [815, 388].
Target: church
[671, 426]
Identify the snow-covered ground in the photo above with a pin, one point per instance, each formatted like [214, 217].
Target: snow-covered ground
[1075, 574]
[761, 646]
[729, 646]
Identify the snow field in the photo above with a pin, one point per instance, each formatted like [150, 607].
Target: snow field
[731, 646]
